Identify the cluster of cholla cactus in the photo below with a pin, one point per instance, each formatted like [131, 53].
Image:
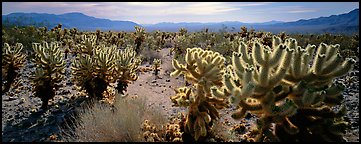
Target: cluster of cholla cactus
[50, 69]
[156, 66]
[95, 72]
[12, 61]
[203, 69]
[278, 84]
[171, 132]
[150, 132]
[87, 45]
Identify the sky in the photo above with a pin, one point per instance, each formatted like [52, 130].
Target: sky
[155, 12]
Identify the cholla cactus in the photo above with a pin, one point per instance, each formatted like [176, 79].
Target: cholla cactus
[183, 97]
[203, 69]
[156, 66]
[87, 44]
[12, 61]
[95, 73]
[280, 87]
[139, 38]
[182, 31]
[150, 132]
[50, 69]
[126, 66]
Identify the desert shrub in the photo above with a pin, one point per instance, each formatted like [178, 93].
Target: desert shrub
[120, 123]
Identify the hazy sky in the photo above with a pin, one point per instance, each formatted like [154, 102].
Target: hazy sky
[154, 12]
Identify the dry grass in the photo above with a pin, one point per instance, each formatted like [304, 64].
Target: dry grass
[122, 123]
[167, 67]
[149, 55]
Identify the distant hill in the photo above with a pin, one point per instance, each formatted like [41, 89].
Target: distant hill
[68, 20]
[197, 26]
[347, 23]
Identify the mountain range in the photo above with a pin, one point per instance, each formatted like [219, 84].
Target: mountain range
[347, 23]
[68, 20]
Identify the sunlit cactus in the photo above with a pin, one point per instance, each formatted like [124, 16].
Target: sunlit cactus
[95, 72]
[12, 61]
[126, 65]
[203, 69]
[87, 44]
[279, 85]
[50, 69]
[139, 37]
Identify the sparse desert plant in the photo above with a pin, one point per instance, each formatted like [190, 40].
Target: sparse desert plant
[50, 69]
[149, 55]
[12, 61]
[203, 69]
[120, 123]
[282, 88]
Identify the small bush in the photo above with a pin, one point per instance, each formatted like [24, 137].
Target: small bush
[119, 123]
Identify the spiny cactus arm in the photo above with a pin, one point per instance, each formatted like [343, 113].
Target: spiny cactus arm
[289, 127]
[331, 63]
[236, 62]
[276, 41]
[183, 97]
[277, 54]
[319, 59]
[243, 51]
[258, 54]
[331, 51]
[282, 69]
[343, 69]
[324, 112]
[333, 94]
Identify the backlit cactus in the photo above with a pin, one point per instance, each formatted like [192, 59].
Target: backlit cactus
[139, 35]
[95, 72]
[203, 69]
[50, 69]
[279, 86]
[87, 44]
[12, 61]
[126, 65]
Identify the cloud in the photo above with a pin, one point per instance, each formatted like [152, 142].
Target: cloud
[301, 11]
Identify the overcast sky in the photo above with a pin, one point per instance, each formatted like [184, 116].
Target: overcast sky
[155, 12]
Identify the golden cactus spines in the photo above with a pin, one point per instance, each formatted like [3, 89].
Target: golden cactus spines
[126, 65]
[203, 69]
[12, 61]
[50, 70]
[281, 86]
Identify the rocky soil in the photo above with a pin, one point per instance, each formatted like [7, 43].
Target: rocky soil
[22, 121]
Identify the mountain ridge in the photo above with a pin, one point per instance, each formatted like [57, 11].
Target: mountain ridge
[342, 23]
